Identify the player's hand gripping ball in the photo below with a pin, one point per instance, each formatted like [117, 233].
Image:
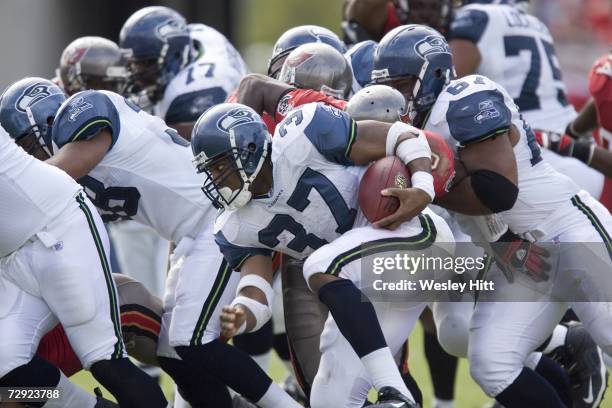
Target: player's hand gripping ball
[388, 172]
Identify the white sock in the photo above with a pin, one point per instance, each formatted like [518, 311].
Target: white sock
[71, 396]
[439, 403]
[557, 339]
[263, 360]
[383, 372]
[276, 397]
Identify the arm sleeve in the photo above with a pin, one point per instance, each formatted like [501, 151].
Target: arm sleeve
[332, 132]
[478, 116]
[187, 108]
[236, 255]
[82, 116]
[469, 25]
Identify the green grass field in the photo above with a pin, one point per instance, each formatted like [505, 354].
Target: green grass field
[467, 393]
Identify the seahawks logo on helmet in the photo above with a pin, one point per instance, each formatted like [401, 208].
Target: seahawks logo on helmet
[34, 94]
[432, 44]
[170, 28]
[234, 118]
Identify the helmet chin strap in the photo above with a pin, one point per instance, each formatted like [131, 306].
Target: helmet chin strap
[35, 128]
[240, 197]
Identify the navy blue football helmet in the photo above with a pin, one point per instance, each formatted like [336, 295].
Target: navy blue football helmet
[234, 137]
[296, 36]
[160, 46]
[27, 108]
[417, 53]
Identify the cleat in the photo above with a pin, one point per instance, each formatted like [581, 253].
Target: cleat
[389, 397]
[583, 360]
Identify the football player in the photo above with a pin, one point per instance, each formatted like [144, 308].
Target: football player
[596, 114]
[134, 167]
[98, 63]
[505, 174]
[182, 69]
[54, 267]
[264, 186]
[380, 102]
[481, 36]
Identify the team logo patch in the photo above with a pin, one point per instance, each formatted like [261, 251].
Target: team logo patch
[432, 44]
[76, 107]
[34, 94]
[234, 118]
[284, 105]
[486, 111]
[170, 28]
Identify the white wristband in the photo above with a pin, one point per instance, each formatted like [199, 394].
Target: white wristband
[412, 149]
[395, 131]
[423, 181]
[262, 313]
[258, 282]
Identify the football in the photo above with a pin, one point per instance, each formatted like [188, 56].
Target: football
[388, 172]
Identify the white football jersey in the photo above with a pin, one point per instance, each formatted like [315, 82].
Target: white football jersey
[32, 194]
[205, 82]
[517, 51]
[147, 174]
[314, 197]
[474, 108]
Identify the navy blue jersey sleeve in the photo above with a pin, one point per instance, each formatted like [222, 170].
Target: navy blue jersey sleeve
[188, 107]
[236, 255]
[82, 116]
[332, 132]
[478, 116]
[468, 24]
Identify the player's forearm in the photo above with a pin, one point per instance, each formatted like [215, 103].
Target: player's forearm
[586, 121]
[602, 161]
[251, 95]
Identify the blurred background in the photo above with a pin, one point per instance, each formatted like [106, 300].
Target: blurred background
[33, 33]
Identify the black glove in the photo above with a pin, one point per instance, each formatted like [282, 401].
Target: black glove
[512, 253]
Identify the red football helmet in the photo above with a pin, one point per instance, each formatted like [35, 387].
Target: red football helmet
[442, 162]
[600, 87]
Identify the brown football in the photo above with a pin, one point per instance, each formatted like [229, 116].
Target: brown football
[388, 172]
